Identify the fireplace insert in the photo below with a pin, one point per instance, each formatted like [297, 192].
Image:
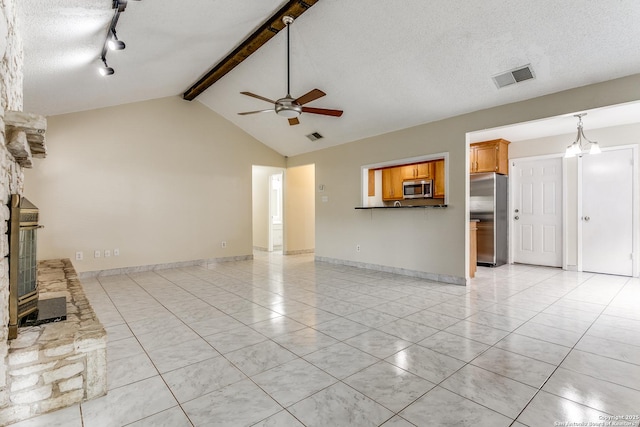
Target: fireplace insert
[23, 280]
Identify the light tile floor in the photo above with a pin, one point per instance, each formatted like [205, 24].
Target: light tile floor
[285, 341]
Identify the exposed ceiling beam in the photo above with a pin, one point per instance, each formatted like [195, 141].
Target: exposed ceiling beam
[270, 28]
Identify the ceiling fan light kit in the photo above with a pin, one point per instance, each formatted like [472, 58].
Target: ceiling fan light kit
[290, 107]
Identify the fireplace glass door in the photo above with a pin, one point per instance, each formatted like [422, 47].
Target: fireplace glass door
[27, 274]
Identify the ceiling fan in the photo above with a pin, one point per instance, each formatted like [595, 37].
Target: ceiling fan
[288, 106]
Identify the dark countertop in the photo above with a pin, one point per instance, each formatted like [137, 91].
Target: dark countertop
[402, 207]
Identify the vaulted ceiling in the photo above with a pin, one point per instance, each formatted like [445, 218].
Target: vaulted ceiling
[388, 64]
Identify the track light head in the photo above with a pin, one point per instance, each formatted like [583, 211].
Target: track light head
[114, 43]
[105, 70]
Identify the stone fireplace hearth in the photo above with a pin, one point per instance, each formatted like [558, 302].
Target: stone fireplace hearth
[59, 364]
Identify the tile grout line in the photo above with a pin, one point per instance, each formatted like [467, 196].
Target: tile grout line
[145, 352]
[247, 377]
[567, 355]
[248, 282]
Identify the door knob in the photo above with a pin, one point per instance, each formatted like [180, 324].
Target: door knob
[516, 217]
[586, 218]
[517, 210]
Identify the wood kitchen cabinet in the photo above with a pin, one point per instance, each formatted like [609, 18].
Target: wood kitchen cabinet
[473, 248]
[418, 171]
[392, 183]
[371, 191]
[490, 156]
[438, 178]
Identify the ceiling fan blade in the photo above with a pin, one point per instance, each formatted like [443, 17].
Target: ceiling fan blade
[323, 111]
[254, 112]
[253, 95]
[294, 121]
[310, 96]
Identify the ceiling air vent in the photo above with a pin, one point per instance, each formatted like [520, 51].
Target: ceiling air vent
[517, 75]
[314, 136]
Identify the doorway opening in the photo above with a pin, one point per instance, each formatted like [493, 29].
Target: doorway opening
[267, 208]
[283, 209]
[300, 209]
[535, 143]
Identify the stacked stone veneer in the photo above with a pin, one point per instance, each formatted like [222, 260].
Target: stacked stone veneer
[57, 364]
[11, 176]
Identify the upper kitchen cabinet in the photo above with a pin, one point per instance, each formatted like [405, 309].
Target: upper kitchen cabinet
[418, 171]
[371, 183]
[438, 178]
[392, 183]
[490, 156]
[415, 182]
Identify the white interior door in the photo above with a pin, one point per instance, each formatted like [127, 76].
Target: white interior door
[537, 211]
[606, 219]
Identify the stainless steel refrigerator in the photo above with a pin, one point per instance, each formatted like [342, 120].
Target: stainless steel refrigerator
[488, 204]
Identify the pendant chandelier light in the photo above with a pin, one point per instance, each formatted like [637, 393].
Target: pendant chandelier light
[577, 147]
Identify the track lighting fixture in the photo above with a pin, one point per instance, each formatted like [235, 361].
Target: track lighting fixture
[112, 42]
[106, 70]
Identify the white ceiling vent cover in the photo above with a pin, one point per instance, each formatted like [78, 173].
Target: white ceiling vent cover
[314, 136]
[516, 75]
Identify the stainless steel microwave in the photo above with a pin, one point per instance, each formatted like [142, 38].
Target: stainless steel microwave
[422, 189]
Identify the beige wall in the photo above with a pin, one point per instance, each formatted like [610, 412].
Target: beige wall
[606, 137]
[299, 209]
[163, 181]
[152, 178]
[260, 199]
[429, 241]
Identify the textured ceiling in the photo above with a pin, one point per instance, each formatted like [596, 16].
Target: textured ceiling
[388, 64]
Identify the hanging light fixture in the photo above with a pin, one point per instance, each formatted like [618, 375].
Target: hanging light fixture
[577, 148]
[106, 70]
[112, 42]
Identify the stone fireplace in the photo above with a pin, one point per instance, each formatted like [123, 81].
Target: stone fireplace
[59, 364]
[11, 176]
[55, 365]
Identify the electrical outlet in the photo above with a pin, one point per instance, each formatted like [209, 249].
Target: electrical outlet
[357, 248]
[116, 252]
[107, 253]
[96, 254]
[79, 256]
[223, 244]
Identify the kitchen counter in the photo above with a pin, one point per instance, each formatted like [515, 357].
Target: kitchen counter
[402, 207]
